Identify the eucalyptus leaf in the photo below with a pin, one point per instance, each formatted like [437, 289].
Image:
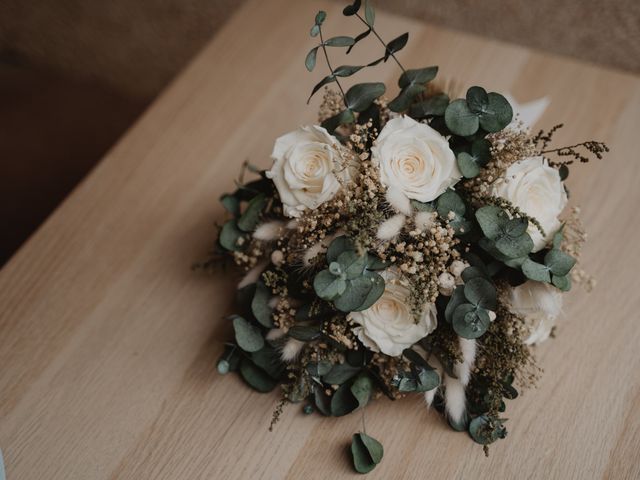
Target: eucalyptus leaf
[318, 369]
[231, 203]
[327, 286]
[369, 13]
[477, 99]
[305, 333]
[229, 236]
[257, 378]
[326, 80]
[361, 293]
[361, 96]
[559, 262]
[485, 430]
[320, 17]
[396, 44]
[450, 201]
[418, 76]
[481, 293]
[359, 37]
[460, 119]
[352, 9]
[321, 400]
[345, 117]
[366, 452]
[310, 60]
[497, 115]
[340, 41]
[248, 337]
[260, 305]
[562, 282]
[514, 247]
[248, 221]
[491, 220]
[432, 106]
[403, 101]
[457, 299]
[343, 401]
[268, 359]
[536, 271]
[362, 389]
[472, 272]
[340, 373]
[315, 31]
[469, 321]
[337, 246]
[347, 70]
[467, 165]
[353, 265]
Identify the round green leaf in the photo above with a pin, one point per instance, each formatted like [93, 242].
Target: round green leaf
[229, 236]
[456, 299]
[470, 322]
[268, 359]
[481, 292]
[497, 115]
[310, 60]
[337, 246]
[362, 389]
[343, 401]
[477, 99]
[467, 165]
[516, 227]
[256, 377]
[460, 119]
[352, 264]
[485, 430]
[562, 282]
[318, 369]
[248, 221]
[361, 96]
[559, 262]
[340, 373]
[514, 247]
[231, 203]
[320, 17]
[327, 286]
[491, 220]
[419, 76]
[536, 271]
[405, 97]
[450, 201]
[260, 305]
[361, 293]
[366, 452]
[435, 105]
[248, 337]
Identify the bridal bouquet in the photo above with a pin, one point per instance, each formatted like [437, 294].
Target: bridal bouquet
[418, 245]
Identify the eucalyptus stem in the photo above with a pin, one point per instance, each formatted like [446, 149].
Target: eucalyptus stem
[381, 41]
[326, 56]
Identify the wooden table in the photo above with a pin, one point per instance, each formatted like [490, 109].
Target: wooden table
[108, 341]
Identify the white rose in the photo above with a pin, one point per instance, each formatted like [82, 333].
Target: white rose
[535, 188]
[307, 168]
[414, 159]
[388, 326]
[539, 304]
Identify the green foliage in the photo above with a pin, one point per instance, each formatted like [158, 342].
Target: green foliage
[421, 377]
[489, 111]
[366, 452]
[248, 221]
[451, 202]
[485, 430]
[248, 337]
[255, 377]
[362, 389]
[348, 282]
[310, 60]
[230, 235]
[352, 9]
[260, 305]
[340, 41]
[412, 83]
[369, 13]
[361, 95]
[432, 106]
[507, 237]
[340, 373]
[470, 321]
[471, 162]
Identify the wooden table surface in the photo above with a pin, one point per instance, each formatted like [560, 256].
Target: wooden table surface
[108, 341]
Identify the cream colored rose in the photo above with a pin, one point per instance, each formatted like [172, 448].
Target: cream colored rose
[388, 326]
[535, 187]
[306, 169]
[539, 304]
[414, 159]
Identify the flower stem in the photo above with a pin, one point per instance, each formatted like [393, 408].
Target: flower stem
[381, 41]
[326, 56]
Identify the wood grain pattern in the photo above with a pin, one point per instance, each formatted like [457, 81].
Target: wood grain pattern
[108, 342]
